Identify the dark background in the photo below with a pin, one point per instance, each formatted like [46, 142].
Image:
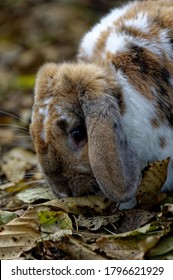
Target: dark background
[35, 31]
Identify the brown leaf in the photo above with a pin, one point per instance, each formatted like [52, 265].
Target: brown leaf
[77, 249]
[133, 219]
[131, 248]
[134, 244]
[87, 205]
[16, 162]
[95, 223]
[19, 235]
[148, 193]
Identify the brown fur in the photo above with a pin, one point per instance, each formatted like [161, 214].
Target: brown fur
[86, 94]
[139, 64]
[162, 141]
[64, 84]
[155, 123]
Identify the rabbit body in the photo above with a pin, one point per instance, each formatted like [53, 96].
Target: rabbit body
[137, 39]
[97, 123]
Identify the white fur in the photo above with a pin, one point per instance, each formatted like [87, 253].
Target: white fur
[44, 111]
[140, 22]
[59, 110]
[42, 135]
[89, 41]
[138, 126]
[151, 45]
[116, 42]
[47, 100]
[41, 111]
[165, 43]
[119, 41]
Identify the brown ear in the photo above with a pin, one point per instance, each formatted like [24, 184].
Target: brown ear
[113, 160]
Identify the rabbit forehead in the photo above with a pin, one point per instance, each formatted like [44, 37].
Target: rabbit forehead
[76, 77]
[64, 81]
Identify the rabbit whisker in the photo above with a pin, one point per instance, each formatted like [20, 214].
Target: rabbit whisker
[19, 127]
[14, 116]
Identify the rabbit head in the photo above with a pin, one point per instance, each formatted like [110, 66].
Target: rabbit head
[78, 134]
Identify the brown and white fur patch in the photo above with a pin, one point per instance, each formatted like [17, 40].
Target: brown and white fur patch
[97, 122]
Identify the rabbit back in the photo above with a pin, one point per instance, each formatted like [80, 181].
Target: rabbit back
[137, 40]
[147, 24]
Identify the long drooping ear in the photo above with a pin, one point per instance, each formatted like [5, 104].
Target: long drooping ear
[114, 162]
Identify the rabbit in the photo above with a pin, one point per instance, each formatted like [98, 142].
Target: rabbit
[98, 121]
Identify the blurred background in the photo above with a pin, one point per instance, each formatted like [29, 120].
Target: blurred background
[33, 32]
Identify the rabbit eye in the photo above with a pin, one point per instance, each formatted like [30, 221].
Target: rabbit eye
[78, 134]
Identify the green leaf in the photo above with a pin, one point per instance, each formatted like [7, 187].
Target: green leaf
[51, 217]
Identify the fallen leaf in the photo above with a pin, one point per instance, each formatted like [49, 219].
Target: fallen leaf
[35, 194]
[6, 216]
[58, 235]
[16, 162]
[151, 184]
[77, 249]
[133, 218]
[52, 217]
[19, 235]
[95, 223]
[89, 205]
[164, 246]
[54, 225]
[127, 248]
[134, 244]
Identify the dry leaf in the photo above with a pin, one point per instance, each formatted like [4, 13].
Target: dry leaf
[134, 244]
[87, 205]
[34, 194]
[127, 248]
[95, 223]
[16, 162]
[152, 182]
[6, 216]
[77, 249]
[54, 225]
[60, 234]
[54, 205]
[133, 219]
[163, 247]
[19, 235]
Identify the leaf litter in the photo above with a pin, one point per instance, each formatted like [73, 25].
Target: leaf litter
[88, 227]
[34, 224]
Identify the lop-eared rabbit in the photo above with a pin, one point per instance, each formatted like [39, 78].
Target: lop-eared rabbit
[97, 122]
